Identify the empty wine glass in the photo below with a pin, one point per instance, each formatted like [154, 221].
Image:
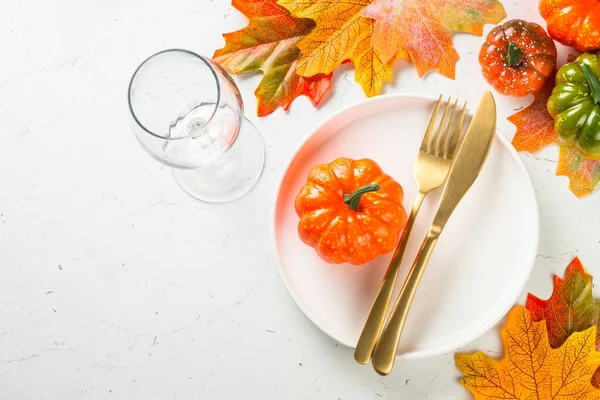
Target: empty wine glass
[187, 113]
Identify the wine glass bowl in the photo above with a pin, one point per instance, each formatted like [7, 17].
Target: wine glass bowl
[187, 113]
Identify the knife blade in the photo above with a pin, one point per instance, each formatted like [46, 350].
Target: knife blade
[469, 160]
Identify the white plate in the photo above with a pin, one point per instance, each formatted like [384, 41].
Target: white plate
[481, 262]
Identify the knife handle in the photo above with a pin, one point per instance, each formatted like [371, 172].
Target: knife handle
[371, 331]
[385, 352]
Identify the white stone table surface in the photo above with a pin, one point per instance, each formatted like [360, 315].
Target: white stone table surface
[115, 284]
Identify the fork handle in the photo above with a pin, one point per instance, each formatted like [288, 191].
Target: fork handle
[370, 334]
[385, 352]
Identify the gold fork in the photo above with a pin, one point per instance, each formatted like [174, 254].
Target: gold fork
[430, 171]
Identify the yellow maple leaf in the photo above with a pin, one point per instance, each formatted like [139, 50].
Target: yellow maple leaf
[371, 71]
[341, 33]
[531, 369]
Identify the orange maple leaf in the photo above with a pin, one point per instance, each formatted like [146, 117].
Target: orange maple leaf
[268, 44]
[535, 131]
[341, 33]
[531, 368]
[424, 28]
[535, 127]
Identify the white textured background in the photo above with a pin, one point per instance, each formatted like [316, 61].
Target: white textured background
[116, 285]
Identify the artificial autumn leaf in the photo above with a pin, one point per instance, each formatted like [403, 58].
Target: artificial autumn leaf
[535, 131]
[268, 44]
[531, 368]
[571, 308]
[341, 33]
[424, 28]
[583, 173]
[535, 127]
[371, 71]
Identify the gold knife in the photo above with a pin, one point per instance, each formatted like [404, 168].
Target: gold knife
[467, 165]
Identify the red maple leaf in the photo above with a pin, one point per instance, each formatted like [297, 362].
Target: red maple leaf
[571, 308]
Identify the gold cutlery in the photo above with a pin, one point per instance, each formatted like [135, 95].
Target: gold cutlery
[430, 171]
[469, 160]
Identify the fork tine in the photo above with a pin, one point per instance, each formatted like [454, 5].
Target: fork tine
[443, 151]
[440, 129]
[425, 145]
[457, 132]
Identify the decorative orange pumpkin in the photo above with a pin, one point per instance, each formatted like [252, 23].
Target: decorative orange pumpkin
[350, 211]
[517, 58]
[573, 22]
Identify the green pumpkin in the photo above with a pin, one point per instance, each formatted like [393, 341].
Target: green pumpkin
[575, 103]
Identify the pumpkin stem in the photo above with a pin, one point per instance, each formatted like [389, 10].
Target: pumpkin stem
[593, 83]
[513, 55]
[353, 199]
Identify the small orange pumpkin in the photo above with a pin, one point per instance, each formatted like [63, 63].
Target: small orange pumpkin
[573, 22]
[350, 211]
[517, 58]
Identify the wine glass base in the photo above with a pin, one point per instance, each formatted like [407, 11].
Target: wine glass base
[236, 172]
